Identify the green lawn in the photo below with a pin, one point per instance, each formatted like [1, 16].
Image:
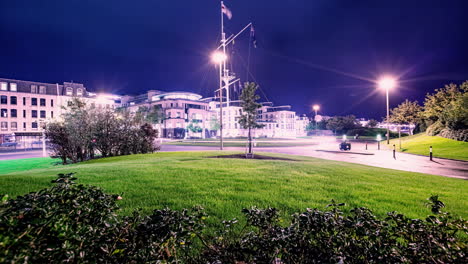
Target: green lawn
[225, 186]
[442, 147]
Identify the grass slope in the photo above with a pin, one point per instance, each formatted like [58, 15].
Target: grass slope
[442, 147]
[225, 186]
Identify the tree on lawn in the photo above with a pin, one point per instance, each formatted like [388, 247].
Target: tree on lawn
[405, 113]
[248, 119]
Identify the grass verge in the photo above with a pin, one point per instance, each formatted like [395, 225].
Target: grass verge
[442, 147]
[225, 186]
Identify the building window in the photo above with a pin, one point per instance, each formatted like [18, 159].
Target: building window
[169, 114]
[24, 113]
[3, 113]
[33, 88]
[4, 125]
[14, 126]
[51, 114]
[3, 86]
[13, 113]
[34, 125]
[33, 101]
[42, 89]
[13, 87]
[13, 100]
[24, 100]
[69, 91]
[24, 125]
[42, 102]
[3, 99]
[79, 92]
[43, 114]
[52, 102]
[178, 114]
[34, 113]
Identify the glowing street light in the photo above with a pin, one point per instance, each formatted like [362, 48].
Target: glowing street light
[218, 57]
[316, 108]
[387, 83]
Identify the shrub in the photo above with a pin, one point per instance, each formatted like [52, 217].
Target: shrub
[79, 224]
[373, 132]
[86, 130]
[460, 135]
[435, 129]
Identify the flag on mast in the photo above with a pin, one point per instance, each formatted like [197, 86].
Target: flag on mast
[252, 36]
[226, 11]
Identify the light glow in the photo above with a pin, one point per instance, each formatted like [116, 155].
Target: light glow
[379, 137]
[218, 57]
[316, 107]
[387, 83]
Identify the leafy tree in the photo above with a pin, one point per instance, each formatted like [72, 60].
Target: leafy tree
[248, 119]
[341, 124]
[194, 126]
[372, 123]
[446, 111]
[214, 123]
[84, 130]
[406, 113]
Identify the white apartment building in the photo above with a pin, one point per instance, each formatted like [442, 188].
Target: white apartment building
[26, 106]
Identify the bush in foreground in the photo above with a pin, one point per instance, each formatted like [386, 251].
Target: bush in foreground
[79, 224]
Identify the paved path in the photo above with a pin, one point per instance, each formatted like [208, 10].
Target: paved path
[328, 149]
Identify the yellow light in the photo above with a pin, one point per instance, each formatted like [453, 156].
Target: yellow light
[387, 83]
[218, 57]
[316, 107]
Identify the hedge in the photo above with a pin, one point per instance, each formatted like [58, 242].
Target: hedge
[79, 224]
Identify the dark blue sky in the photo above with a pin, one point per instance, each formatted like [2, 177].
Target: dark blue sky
[309, 51]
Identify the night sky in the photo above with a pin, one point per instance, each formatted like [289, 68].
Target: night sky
[309, 51]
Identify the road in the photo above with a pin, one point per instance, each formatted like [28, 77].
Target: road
[327, 148]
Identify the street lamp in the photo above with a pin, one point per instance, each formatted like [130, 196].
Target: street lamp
[316, 108]
[219, 58]
[387, 83]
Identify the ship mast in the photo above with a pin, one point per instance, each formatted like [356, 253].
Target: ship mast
[225, 77]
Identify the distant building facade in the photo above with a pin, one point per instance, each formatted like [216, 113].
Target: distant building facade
[25, 106]
[181, 109]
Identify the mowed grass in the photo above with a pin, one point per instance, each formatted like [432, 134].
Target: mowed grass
[225, 186]
[7, 166]
[442, 147]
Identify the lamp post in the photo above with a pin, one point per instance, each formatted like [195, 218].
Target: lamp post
[387, 83]
[219, 58]
[316, 108]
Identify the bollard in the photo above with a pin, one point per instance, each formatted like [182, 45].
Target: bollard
[394, 150]
[430, 153]
[378, 145]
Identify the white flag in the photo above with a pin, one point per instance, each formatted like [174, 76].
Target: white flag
[226, 11]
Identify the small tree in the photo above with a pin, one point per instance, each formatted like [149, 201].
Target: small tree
[248, 119]
[194, 126]
[341, 124]
[406, 113]
[372, 123]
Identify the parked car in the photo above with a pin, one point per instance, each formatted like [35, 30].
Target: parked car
[345, 146]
